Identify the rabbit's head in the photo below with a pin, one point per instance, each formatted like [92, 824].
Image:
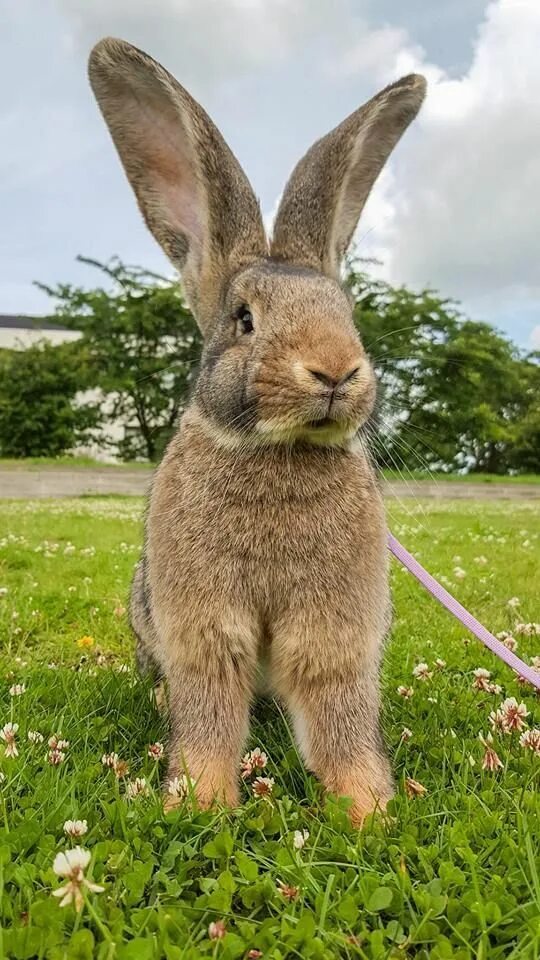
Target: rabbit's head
[282, 360]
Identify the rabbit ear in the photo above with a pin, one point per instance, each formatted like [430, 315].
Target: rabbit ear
[327, 190]
[191, 190]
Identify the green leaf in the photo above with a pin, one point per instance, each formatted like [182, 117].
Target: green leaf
[380, 899]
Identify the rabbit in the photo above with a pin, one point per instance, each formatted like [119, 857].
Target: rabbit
[265, 541]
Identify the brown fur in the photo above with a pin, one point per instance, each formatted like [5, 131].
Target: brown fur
[265, 548]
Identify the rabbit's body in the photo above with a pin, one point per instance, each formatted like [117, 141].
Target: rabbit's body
[268, 557]
[266, 538]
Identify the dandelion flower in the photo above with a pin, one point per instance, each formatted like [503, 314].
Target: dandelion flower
[71, 864]
[85, 642]
[75, 828]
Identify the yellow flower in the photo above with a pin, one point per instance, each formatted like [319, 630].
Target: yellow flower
[85, 642]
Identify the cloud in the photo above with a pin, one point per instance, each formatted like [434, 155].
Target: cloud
[461, 208]
[534, 339]
[206, 41]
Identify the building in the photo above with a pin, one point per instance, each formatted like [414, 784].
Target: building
[19, 331]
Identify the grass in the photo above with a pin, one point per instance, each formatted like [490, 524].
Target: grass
[452, 873]
[78, 463]
[409, 475]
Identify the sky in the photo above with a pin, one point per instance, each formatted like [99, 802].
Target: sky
[457, 208]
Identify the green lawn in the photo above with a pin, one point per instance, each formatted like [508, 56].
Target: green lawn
[450, 873]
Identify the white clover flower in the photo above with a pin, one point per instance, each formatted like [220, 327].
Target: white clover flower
[531, 740]
[17, 690]
[75, 828]
[180, 787]
[263, 786]
[156, 751]
[422, 672]
[136, 788]
[35, 736]
[300, 839]
[71, 864]
[8, 733]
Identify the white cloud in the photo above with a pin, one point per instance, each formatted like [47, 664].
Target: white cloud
[462, 210]
[534, 339]
[205, 41]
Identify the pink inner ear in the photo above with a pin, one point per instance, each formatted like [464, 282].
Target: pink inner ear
[168, 171]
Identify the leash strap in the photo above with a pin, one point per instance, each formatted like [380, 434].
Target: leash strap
[460, 613]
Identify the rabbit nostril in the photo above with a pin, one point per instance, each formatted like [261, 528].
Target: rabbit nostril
[324, 378]
[333, 382]
[350, 375]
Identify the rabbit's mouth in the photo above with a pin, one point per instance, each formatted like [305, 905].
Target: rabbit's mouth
[322, 422]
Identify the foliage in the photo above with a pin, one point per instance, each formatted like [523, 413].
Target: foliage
[451, 874]
[455, 394]
[38, 413]
[141, 345]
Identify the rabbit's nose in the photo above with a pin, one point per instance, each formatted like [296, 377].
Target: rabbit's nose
[332, 381]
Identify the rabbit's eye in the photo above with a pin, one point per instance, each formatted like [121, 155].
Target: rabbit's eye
[245, 319]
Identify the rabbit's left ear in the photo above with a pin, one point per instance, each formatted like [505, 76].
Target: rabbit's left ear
[327, 190]
[191, 190]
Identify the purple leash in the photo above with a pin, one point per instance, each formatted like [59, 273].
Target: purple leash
[460, 613]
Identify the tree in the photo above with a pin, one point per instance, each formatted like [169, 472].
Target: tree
[456, 394]
[39, 416]
[141, 344]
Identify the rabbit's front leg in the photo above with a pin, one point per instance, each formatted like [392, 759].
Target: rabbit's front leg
[209, 710]
[335, 711]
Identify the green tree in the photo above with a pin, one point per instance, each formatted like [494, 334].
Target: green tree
[39, 415]
[141, 345]
[455, 394]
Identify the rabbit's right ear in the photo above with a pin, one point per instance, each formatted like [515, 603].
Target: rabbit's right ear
[191, 190]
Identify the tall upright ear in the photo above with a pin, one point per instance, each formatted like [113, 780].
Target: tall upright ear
[191, 190]
[327, 190]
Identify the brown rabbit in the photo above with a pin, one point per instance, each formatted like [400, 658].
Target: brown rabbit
[266, 536]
